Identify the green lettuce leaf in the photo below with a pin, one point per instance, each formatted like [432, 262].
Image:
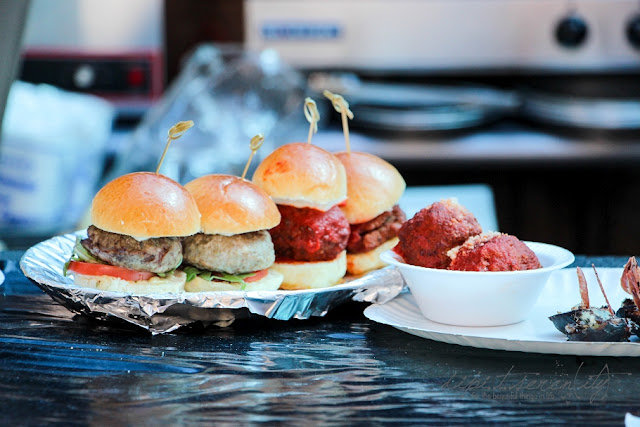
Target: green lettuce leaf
[192, 272]
[79, 253]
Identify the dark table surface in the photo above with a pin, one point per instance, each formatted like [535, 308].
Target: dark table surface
[341, 369]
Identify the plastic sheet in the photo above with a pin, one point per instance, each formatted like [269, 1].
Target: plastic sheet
[231, 94]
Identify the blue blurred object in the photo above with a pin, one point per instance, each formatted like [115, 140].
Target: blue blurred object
[51, 158]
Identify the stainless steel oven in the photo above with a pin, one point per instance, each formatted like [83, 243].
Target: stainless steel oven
[428, 36]
[562, 61]
[112, 49]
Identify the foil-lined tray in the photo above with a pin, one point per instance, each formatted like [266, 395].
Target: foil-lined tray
[162, 313]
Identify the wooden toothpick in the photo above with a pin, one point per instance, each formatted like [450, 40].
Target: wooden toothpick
[312, 115]
[174, 133]
[256, 142]
[342, 107]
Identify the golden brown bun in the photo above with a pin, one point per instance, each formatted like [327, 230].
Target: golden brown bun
[373, 186]
[171, 284]
[302, 175]
[231, 205]
[270, 282]
[312, 275]
[367, 261]
[144, 205]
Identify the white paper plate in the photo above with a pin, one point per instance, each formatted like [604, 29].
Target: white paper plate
[535, 335]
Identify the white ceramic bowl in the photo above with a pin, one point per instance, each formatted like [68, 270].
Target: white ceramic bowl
[480, 298]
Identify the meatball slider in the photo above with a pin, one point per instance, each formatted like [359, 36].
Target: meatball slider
[234, 250]
[307, 183]
[374, 188]
[133, 243]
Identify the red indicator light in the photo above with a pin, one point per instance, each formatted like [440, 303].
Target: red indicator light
[136, 77]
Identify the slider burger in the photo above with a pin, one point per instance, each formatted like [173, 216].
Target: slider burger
[133, 243]
[374, 188]
[307, 183]
[233, 250]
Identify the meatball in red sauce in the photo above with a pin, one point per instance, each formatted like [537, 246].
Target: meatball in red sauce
[426, 238]
[493, 252]
[306, 234]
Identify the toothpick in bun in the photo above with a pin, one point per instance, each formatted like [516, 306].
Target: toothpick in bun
[233, 250]
[374, 188]
[133, 243]
[307, 183]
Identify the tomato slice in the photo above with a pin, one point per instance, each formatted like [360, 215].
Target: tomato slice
[92, 269]
[260, 274]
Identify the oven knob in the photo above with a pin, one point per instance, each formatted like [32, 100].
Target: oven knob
[633, 31]
[571, 31]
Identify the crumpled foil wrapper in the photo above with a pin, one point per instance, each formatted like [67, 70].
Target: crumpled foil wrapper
[162, 313]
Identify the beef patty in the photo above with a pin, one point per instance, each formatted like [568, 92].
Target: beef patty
[369, 235]
[157, 255]
[241, 253]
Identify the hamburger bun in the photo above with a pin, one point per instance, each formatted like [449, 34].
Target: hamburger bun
[302, 175]
[270, 282]
[145, 205]
[361, 263]
[374, 186]
[312, 275]
[231, 205]
[170, 284]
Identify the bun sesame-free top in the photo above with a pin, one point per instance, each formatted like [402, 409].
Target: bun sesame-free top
[144, 205]
[232, 205]
[302, 175]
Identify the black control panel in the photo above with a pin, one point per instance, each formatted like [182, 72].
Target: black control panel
[101, 76]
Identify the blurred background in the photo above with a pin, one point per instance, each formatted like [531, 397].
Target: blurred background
[537, 99]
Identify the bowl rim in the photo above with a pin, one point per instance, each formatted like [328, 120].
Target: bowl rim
[562, 258]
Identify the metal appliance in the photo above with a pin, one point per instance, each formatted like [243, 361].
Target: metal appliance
[112, 49]
[421, 36]
[563, 61]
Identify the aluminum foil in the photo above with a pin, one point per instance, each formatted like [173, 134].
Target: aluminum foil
[162, 313]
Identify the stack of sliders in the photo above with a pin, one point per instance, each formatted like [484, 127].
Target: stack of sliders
[374, 188]
[133, 242]
[308, 184]
[233, 250]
